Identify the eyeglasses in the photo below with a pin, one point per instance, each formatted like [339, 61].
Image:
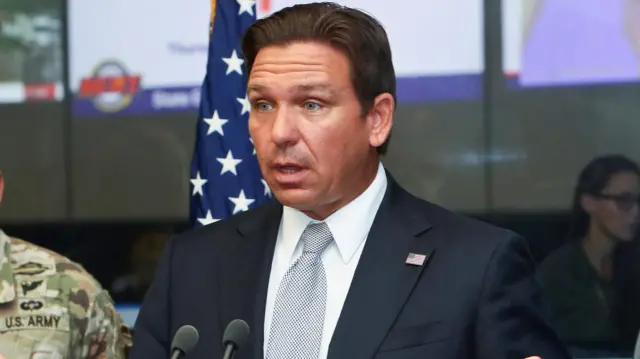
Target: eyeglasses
[624, 202]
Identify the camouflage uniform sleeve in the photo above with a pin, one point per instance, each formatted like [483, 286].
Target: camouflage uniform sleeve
[106, 336]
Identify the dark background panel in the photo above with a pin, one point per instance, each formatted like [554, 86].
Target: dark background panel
[437, 153]
[33, 161]
[132, 168]
[551, 135]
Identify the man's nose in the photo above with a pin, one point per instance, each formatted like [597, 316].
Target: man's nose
[284, 131]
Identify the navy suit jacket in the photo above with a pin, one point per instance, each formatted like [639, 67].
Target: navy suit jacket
[474, 297]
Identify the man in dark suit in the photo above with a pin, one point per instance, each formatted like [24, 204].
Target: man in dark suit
[346, 264]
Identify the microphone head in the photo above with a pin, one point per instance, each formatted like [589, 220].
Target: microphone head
[185, 339]
[236, 333]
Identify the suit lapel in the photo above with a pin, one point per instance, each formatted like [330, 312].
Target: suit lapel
[244, 277]
[383, 280]
[270, 231]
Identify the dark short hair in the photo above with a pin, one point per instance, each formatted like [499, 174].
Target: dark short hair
[359, 36]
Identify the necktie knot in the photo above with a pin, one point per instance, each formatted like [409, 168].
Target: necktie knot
[316, 237]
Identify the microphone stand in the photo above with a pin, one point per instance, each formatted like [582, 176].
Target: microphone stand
[177, 354]
[229, 350]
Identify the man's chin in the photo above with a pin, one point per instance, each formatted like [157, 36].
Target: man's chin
[297, 198]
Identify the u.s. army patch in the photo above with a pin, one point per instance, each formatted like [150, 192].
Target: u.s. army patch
[33, 268]
[34, 321]
[39, 306]
[32, 287]
[31, 305]
[33, 313]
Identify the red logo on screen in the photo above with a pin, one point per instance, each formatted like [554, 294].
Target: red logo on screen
[94, 86]
[40, 91]
[110, 86]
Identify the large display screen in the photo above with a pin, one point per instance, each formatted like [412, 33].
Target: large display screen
[31, 53]
[570, 42]
[150, 55]
[136, 56]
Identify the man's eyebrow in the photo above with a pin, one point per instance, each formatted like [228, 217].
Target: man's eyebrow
[255, 87]
[324, 87]
[313, 87]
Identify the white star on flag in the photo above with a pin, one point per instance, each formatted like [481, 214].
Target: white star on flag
[234, 63]
[246, 6]
[246, 106]
[208, 219]
[229, 164]
[254, 149]
[241, 202]
[198, 182]
[215, 124]
[267, 190]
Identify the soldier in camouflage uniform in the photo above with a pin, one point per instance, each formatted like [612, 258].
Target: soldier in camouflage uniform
[50, 307]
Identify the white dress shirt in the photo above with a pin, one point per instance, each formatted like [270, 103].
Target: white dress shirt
[350, 227]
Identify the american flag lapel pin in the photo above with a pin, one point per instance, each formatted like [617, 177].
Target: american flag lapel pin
[416, 259]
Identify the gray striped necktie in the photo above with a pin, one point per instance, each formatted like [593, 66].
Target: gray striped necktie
[298, 313]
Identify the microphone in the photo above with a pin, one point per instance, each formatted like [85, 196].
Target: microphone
[234, 337]
[184, 341]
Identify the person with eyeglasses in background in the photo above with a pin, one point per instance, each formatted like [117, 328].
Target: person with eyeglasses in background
[578, 278]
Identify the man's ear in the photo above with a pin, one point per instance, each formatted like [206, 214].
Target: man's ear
[380, 119]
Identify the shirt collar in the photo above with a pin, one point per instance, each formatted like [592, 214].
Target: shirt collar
[349, 225]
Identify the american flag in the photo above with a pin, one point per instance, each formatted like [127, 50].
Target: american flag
[225, 177]
[415, 259]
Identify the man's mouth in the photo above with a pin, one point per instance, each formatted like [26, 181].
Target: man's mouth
[289, 169]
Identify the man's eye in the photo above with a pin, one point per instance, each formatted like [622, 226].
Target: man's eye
[312, 106]
[263, 106]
